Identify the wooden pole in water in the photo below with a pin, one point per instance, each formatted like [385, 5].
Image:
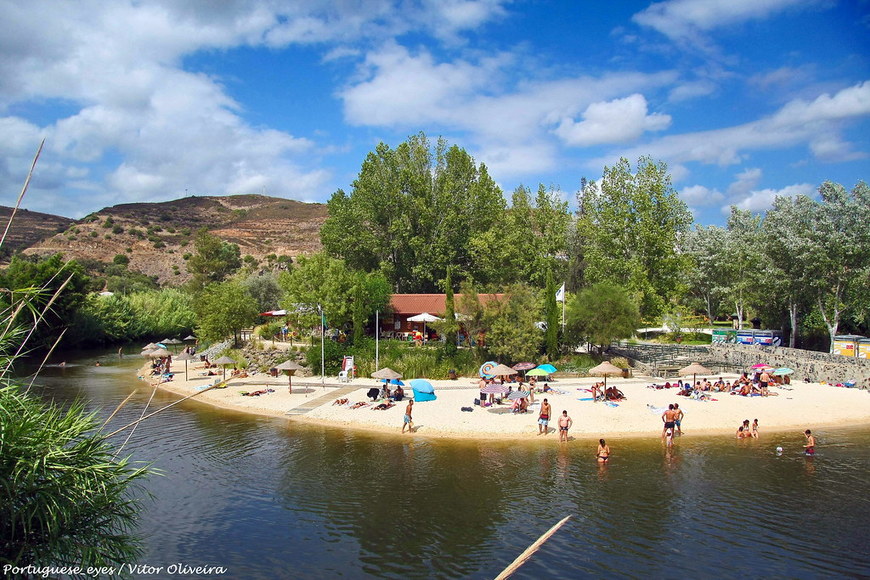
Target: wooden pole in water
[522, 558]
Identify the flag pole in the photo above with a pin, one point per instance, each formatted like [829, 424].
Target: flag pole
[322, 333]
[377, 338]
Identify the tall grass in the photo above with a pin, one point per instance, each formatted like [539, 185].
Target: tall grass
[65, 500]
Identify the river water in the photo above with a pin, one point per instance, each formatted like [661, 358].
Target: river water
[267, 498]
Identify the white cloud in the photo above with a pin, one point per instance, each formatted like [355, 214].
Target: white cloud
[699, 195]
[689, 19]
[797, 122]
[761, 200]
[616, 121]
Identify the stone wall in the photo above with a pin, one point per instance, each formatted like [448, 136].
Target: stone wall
[808, 365]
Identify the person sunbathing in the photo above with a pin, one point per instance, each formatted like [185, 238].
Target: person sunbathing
[383, 406]
[340, 402]
[614, 394]
[359, 404]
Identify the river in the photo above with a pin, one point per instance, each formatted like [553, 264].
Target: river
[268, 498]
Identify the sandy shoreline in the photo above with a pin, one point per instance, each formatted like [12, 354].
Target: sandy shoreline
[796, 407]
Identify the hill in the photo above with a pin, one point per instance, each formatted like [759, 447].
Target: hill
[29, 228]
[158, 237]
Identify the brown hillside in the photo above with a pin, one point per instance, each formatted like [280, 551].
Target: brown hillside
[157, 236]
[29, 228]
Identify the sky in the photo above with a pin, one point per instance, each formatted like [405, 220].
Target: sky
[144, 101]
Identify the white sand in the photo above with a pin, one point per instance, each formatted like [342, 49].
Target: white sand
[798, 406]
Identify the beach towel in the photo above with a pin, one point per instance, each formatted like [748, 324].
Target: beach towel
[586, 399]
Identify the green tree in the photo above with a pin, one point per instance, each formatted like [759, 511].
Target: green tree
[743, 262]
[704, 245]
[213, 260]
[265, 290]
[789, 248]
[49, 275]
[551, 317]
[840, 242]
[223, 310]
[513, 334]
[450, 326]
[413, 212]
[601, 314]
[473, 316]
[630, 229]
[322, 280]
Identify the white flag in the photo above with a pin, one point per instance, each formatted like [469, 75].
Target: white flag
[560, 294]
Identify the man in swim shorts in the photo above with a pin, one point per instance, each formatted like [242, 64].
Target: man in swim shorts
[669, 418]
[565, 423]
[810, 447]
[544, 417]
[679, 418]
[407, 420]
[763, 381]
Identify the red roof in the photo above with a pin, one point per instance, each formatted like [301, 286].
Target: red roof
[411, 304]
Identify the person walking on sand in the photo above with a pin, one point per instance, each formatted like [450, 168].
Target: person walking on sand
[678, 420]
[810, 447]
[407, 421]
[565, 423]
[544, 417]
[603, 453]
[669, 418]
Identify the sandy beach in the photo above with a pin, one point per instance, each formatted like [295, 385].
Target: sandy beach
[797, 406]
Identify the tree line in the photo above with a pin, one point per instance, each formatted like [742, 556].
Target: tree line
[425, 217]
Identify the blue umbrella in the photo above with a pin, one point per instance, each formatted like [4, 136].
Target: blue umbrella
[422, 386]
[548, 367]
[396, 382]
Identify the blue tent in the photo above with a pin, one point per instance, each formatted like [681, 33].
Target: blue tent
[423, 390]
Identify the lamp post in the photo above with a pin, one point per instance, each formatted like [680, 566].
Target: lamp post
[322, 333]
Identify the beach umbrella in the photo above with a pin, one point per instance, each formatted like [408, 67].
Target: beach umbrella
[423, 317]
[549, 368]
[189, 337]
[761, 366]
[158, 353]
[694, 369]
[537, 373]
[502, 370]
[523, 366]
[783, 371]
[604, 369]
[291, 367]
[223, 361]
[185, 357]
[485, 371]
[150, 346]
[514, 395]
[494, 389]
[395, 382]
[172, 341]
[386, 373]
[146, 352]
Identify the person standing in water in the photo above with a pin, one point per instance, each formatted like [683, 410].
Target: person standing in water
[810, 447]
[603, 453]
[565, 423]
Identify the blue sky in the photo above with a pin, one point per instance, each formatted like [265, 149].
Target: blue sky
[150, 101]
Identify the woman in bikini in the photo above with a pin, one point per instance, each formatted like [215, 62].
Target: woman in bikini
[603, 453]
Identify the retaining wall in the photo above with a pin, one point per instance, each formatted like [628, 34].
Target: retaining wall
[808, 365]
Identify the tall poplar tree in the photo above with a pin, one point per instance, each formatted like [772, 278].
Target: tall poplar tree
[630, 228]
